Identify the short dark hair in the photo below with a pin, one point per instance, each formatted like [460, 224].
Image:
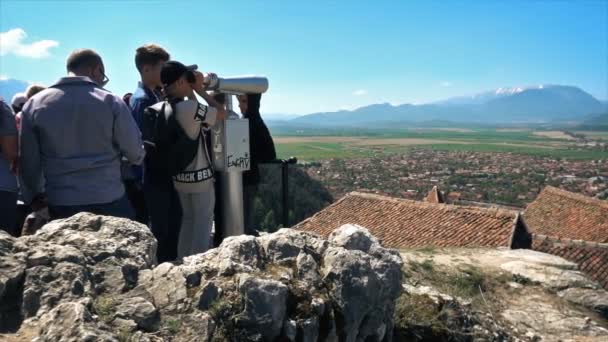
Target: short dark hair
[219, 97]
[33, 90]
[150, 54]
[83, 58]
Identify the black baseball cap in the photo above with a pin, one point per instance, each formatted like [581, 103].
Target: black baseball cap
[173, 70]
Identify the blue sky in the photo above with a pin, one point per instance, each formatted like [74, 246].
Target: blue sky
[325, 55]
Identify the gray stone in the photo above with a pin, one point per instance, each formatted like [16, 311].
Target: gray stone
[555, 278]
[265, 305]
[165, 286]
[140, 336]
[72, 321]
[204, 264]
[357, 291]
[46, 287]
[239, 254]
[209, 293]
[52, 254]
[73, 258]
[308, 329]
[285, 245]
[53, 275]
[308, 269]
[139, 310]
[99, 237]
[12, 274]
[540, 317]
[596, 300]
[318, 306]
[198, 327]
[124, 324]
[114, 276]
[353, 237]
[290, 330]
[193, 279]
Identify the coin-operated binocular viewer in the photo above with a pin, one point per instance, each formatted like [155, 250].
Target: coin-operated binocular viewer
[231, 155]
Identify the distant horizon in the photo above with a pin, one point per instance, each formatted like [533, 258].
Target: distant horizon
[445, 99]
[284, 114]
[324, 56]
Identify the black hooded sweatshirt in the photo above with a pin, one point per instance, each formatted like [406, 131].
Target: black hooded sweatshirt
[261, 146]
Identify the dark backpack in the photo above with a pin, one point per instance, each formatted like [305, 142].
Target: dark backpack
[167, 145]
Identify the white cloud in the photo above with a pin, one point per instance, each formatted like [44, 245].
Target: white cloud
[3, 77]
[11, 41]
[360, 92]
[445, 84]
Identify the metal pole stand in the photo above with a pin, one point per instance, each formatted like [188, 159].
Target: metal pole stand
[230, 141]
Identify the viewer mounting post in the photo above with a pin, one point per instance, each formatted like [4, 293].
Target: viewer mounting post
[231, 156]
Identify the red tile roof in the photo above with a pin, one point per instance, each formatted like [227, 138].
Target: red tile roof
[401, 223]
[592, 258]
[434, 196]
[564, 214]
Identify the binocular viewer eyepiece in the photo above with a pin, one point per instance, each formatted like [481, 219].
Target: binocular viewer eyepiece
[237, 85]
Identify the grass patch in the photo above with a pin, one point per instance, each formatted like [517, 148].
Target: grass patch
[316, 151]
[103, 307]
[124, 335]
[220, 308]
[523, 280]
[427, 265]
[172, 325]
[420, 318]
[466, 283]
[225, 312]
[473, 139]
[313, 151]
[417, 315]
[427, 250]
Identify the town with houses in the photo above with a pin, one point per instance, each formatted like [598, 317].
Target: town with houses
[504, 178]
[459, 200]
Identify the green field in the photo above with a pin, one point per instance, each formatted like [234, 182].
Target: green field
[327, 144]
[319, 151]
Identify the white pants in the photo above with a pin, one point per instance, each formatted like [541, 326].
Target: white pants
[197, 219]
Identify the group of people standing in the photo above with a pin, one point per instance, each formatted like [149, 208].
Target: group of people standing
[144, 156]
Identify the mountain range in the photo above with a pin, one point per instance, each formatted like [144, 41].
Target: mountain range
[540, 104]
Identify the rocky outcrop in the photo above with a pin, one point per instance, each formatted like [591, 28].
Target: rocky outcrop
[67, 261]
[94, 278]
[498, 295]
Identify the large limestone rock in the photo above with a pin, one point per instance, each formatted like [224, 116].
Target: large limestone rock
[66, 261]
[363, 286]
[73, 321]
[12, 273]
[265, 305]
[94, 278]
